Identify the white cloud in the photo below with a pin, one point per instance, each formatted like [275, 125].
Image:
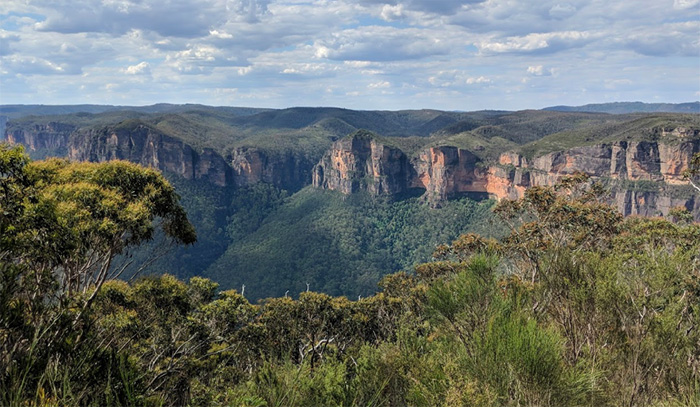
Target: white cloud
[539, 70]
[562, 10]
[548, 42]
[685, 4]
[449, 54]
[666, 40]
[378, 85]
[357, 64]
[374, 43]
[392, 13]
[480, 79]
[220, 34]
[141, 68]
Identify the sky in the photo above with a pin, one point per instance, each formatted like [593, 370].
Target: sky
[362, 54]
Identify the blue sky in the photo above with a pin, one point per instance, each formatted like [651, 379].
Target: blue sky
[362, 54]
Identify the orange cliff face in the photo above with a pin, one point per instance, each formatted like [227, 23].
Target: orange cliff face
[641, 173]
[140, 144]
[661, 163]
[446, 171]
[360, 162]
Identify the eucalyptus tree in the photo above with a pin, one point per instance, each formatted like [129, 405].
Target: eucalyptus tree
[61, 226]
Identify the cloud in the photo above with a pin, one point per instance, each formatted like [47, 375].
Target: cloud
[542, 43]
[382, 44]
[480, 79]
[201, 59]
[442, 7]
[392, 12]
[561, 11]
[178, 18]
[379, 85]
[539, 70]
[685, 4]
[142, 68]
[666, 40]
[6, 41]
[444, 54]
[34, 66]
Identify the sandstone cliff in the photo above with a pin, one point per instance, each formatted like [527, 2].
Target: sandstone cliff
[51, 137]
[644, 177]
[361, 162]
[447, 171]
[285, 170]
[133, 141]
[140, 143]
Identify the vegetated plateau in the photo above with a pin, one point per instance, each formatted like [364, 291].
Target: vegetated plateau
[336, 198]
[572, 305]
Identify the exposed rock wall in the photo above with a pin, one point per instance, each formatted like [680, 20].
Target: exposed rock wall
[51, 136]
[286, 170]
[142, 144]
[642, 174]
[139, 143]
[447, 171]
[360, 162]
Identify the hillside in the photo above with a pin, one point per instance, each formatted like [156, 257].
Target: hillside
[337, 198]
[576, 307]
[631, 107]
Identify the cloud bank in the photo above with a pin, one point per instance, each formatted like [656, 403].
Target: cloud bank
[368, 54]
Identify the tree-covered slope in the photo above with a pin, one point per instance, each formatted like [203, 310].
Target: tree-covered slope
[574, 306]
[239, 171]
[337, 244]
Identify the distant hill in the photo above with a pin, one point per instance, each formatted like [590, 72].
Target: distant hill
[631, 107]
[337, 198]
[15, 111]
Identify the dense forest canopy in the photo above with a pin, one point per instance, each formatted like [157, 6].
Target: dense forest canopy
[244, 174]
[573, 306]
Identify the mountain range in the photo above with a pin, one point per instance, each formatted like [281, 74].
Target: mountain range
[336, 198]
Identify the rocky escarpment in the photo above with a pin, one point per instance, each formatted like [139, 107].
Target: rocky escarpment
[137, 142]
[447, 171]
[285, 170]
[51, 137]
[361, 162]
[132, 141]
[645, 177]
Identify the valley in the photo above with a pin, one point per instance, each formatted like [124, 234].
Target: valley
[337, 198]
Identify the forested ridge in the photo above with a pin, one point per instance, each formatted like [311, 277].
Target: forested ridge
[573, 306]
[275, 211]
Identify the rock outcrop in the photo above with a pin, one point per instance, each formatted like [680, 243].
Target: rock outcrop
[448, 171]
[361, 162]
[51, 137]
[137, 142]
[641, 174]
[645, 177]
[286, 170]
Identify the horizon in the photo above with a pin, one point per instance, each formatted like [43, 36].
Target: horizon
[451, 55]
[2, 105]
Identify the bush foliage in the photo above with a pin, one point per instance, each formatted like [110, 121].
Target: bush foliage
[575, 306]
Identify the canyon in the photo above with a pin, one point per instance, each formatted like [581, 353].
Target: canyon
[644, 177]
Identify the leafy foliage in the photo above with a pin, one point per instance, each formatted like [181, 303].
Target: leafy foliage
[337, 244]
[611, 317]
[62, 226]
